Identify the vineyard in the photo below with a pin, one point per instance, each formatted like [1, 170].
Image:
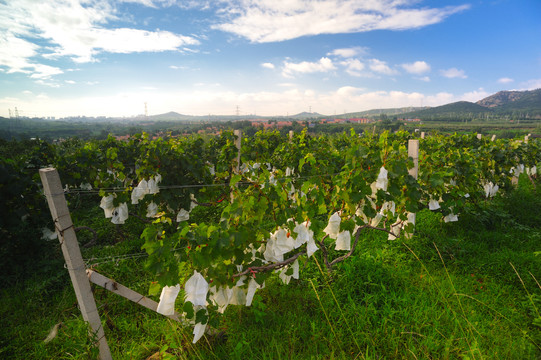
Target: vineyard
[345, 246]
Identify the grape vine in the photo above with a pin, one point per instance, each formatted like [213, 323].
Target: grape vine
[291, 198]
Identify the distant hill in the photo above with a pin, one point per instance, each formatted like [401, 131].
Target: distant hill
[454, 111]
[514, 104]
[174, 116]
[377, 112]
[171, 116]
[306, 115]
[514, 101]
[453, 108]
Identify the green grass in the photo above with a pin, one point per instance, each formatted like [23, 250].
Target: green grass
[464, 290]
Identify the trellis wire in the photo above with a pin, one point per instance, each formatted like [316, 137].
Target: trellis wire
[176, 187]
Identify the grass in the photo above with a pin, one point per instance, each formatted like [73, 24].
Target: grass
[465, 290]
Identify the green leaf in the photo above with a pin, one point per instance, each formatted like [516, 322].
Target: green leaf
[201, 316]
[154, 288]
[321, 208]
[301, 164]
[235, 179]
[188, 310]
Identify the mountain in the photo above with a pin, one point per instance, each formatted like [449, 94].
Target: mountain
[377, 112]
[456, 107]
[306, 115]
[509, 101]
[171, 116]
[504, 98]
[514, 104]
[453, 111]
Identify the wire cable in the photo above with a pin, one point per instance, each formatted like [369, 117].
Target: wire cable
[192, 186]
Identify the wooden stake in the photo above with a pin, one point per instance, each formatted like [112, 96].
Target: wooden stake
[119, 289]
[413, 152]
[238, 142]
[291, 132]
[52, 188]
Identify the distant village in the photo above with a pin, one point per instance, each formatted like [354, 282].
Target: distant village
[280, 124]
[266, 124]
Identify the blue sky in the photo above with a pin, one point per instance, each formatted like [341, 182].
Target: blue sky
[268, 57]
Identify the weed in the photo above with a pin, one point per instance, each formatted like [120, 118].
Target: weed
[447, 293]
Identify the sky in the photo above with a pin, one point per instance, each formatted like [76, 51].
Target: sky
[112, 58]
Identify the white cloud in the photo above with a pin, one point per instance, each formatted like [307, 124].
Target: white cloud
[453, 73]
[15, 54]
[71, 82]
[347, 91]
[438, 99]
[33, 31]
[214, 100]
[48, 82]
[134, 40]
[530, 84]
[270, 20]
[44, 71]
[305, 67]
[505, 80]
[474, 96]
[381, 67]
[348, 52]
[354, 67]
[287, 84]
[418, 67]
[268, 65]
[425, 78]
[357, 100]
[190, 50]
[207, 85]
[148, 3]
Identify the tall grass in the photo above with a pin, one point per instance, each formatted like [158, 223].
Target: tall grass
[465, 290]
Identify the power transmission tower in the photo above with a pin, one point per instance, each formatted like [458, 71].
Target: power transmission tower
[238, 111]
[146, 109]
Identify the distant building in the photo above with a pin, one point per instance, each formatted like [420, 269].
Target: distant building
[273, 124]
[333, 121]
[359, 120]
[348, 121]
[122, 137]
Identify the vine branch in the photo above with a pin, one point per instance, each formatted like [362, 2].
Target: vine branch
[264, 268]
